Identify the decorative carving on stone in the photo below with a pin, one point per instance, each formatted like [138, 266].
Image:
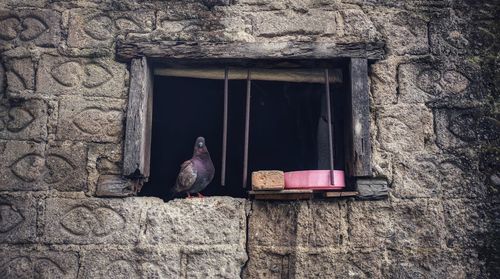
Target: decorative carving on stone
[27, 29]
[456, 36]
[28, 166]
[433, 81]
[41, 27]
[89, 29]
[91, 119]
[30, 264]
[463, 127]
[72, 74]
[99, 28]
[20, 74]
[10, 217]
[439, 82]
[18, 119]
[51, 169]
[17, 221]
[10, 28]
[83, 76]
[99, 222]
[23, 119]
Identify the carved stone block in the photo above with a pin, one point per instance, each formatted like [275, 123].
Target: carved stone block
[23, 120]
[91, 119]
[404, 128]
[211, 221]
[130, 264]
[36, 26]
[437, 81]
[90, 29]
[17, 219]
[29, 166]
[464, 127]
[20, 74]
[92, 221]
[453, 35]
[66, 164]
[273, 224]
[322, 224]
[22, 166]
[25, 263]
[81, 76]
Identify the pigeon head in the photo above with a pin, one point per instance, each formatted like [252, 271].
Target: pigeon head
[199, 146]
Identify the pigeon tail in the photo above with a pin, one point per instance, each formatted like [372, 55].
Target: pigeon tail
[172, 194]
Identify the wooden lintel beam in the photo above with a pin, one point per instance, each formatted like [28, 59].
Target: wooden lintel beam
[126, 50]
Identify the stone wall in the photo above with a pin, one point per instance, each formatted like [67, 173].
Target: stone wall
[435, 135]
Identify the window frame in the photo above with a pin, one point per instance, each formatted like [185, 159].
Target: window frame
[137, 142]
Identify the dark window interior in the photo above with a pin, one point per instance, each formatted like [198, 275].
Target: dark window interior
[285, 129]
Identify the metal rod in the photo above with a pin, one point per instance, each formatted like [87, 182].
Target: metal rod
[330, 140]
[224, 129]
[247, 130]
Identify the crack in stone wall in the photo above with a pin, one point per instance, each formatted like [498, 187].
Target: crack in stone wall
[435, 135]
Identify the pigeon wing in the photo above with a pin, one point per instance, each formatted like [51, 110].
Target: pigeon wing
[187, 176]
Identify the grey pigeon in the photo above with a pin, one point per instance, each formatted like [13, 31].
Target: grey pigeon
[196, 173]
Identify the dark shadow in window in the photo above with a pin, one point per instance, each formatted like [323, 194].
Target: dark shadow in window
[283, 129]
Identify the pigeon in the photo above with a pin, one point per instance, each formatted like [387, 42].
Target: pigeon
[196, 173]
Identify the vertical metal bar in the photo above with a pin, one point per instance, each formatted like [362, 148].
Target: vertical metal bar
[224, 129]
[247, 130]
[329, 111]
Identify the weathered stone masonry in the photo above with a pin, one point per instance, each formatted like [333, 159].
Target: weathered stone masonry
[435, 137]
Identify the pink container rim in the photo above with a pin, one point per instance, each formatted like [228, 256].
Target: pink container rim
[314, 179]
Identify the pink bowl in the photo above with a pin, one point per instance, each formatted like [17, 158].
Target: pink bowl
[314, 179]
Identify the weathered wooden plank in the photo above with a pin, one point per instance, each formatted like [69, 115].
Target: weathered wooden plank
[340, 194]
[358, 154]
[137, 146]
[116, 186]
[126, 50]
[288, 75]
[372, 188]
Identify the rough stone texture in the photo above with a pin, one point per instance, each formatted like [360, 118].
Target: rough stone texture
[435, 137]
[170, 223]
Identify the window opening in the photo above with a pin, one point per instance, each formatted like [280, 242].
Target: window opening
[270, 119]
